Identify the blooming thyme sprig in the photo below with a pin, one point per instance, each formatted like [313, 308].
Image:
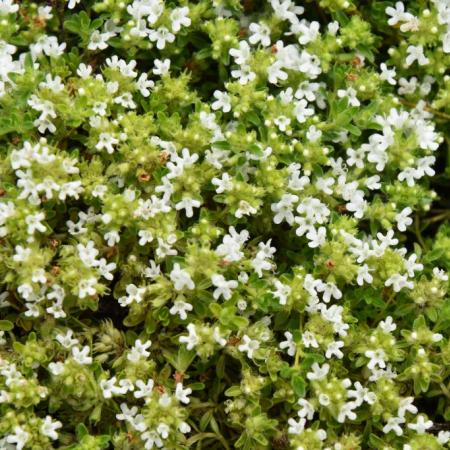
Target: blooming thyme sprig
[218, 224]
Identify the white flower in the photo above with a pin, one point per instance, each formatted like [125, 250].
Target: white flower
[397, 14]
[72, 3]
[284, 209]
[188, 204]
[333, 350]
[249, 346]
[56, 368]
[153, 271]
[306, 410]
[161, 36]
[98, 41]
[230, 249]
[393, 424]
[440, 274]
[181, 278]
[282, 292]
[376, 358]
[86, 287]
[81, 356]
[412, 266]
[107, 141]
[109, 388]
[223, 184]
[388, 325]
[350, 95]
[406, 404]
[242, 53]
[301, 111]
[161, 67]
[316, 237]
[289, 344]
[443, 436]
[223, 287]
[259, 33]
[127, 413]
[296, 427]
[139, 350]
[20, 436]
[309, 340]
[346, 411]
[362, 394]
[144, 389]
[49, 427]
[308, 32]
[317, 372]
[363, 275]
[223, 101]
[415, 53]
[22, 254]
[182, 394]
[388, 74]
[179, 17]
[282, 122]
[244, 73]
[134, 294]
[421, 425]
[398, 282]
[83, 70]
[66, 340]
[192, 339]
[180, 307]
[403, 220]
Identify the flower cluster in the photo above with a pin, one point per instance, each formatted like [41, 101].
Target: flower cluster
[223, 224]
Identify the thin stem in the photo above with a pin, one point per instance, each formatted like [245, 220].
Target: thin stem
[427, 108]
[418, 232]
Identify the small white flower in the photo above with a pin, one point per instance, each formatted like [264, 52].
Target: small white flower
[180, 307]
[223, 287]
[181, 278]
[223, 101]
[421, 425]
[81, 356]
[393, 424]
[188, 204]
[388, 325]
[49, 427]
[179, 18]
[376, 358]
[403, 220]
[192, 339]
[333, 350]
[161, 36]
[182, 394]
[415, 53]
[139, 350]
[20, 437]
[249, 346]
[259, 33]
[161, 67]
[318, 372]
[289, 344]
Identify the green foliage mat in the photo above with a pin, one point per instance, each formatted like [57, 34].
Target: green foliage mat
[224, 224]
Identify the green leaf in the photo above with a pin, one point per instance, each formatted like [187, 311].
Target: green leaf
[182, 360]
[253, 118]
[299, 385]
[81, 431]
[233, 391]
[6, 325]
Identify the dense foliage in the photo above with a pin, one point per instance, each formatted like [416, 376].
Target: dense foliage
[223, 224]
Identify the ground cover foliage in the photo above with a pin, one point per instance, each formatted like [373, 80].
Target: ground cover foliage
[223, 224]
